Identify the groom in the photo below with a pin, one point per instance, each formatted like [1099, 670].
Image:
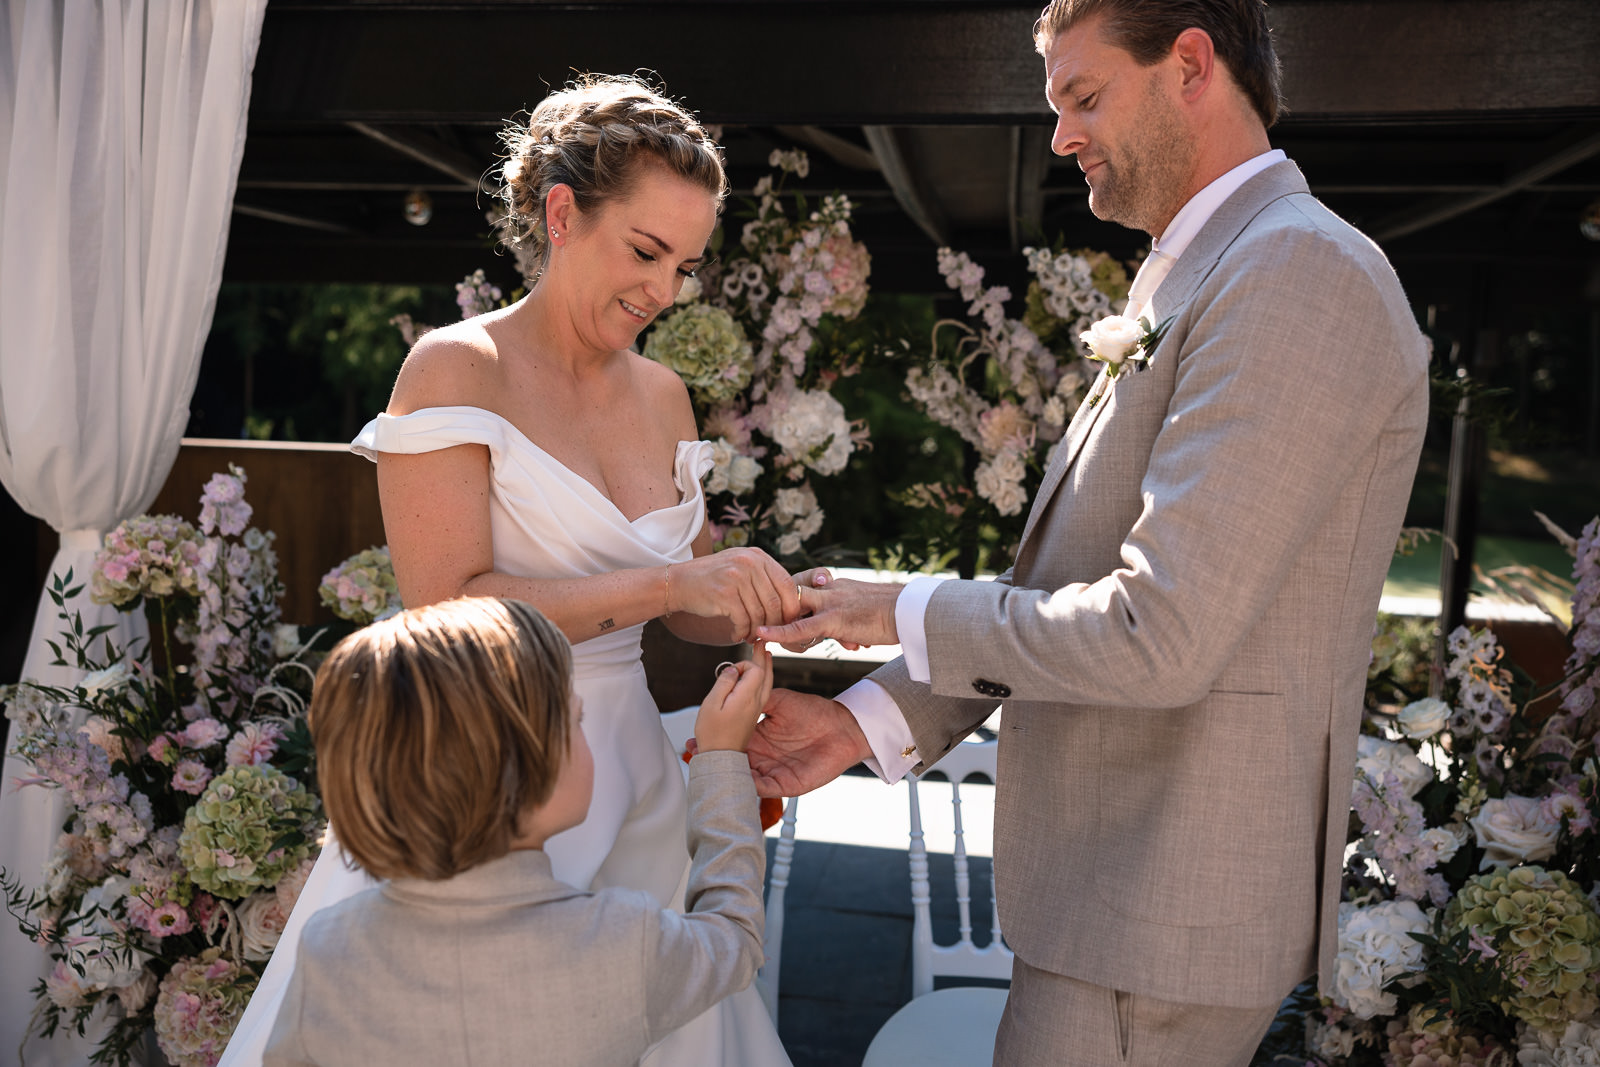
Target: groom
[1181, 644]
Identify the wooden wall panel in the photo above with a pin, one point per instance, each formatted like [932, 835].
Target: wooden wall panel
[320, 499]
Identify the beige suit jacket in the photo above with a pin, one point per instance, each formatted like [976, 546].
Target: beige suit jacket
[1182, 642]
[505, 965]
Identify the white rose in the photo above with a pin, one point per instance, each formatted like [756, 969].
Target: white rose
[108, 680]
[1443, 842]
[742, 474]
[1514, 830]
[1424, 718]
[285, 640]
[1112, 338]
[291, 884]
[789, 544]
[1378, 757]
[1375, 947]
[261, 922]
[690, 291]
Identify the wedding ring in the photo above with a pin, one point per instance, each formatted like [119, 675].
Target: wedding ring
[724, 665]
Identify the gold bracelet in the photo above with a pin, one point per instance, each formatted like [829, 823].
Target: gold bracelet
[666, 592]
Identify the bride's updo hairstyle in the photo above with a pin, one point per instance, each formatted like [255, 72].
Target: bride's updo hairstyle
[595, 136]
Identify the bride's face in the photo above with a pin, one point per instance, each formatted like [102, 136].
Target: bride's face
[622, 263]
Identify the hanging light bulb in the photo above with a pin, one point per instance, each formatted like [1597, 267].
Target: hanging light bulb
[418, 207]
[1589, 221]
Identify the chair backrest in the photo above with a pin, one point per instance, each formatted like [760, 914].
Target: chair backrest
[679, 726]
[962, 958]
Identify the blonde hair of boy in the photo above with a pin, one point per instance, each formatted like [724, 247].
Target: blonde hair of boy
[436, 729]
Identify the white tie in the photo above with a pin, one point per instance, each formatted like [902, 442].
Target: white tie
[1145, 283]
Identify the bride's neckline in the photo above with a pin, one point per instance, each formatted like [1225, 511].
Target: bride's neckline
[684, 495]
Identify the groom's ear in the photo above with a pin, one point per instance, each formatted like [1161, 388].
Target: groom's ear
[1196, 59]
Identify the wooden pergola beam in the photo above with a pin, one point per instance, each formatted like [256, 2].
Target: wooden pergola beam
[426, 150]
[1555, 159]
[888, 62]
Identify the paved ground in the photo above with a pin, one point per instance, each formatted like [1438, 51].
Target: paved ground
[846, 964]
[847, 946]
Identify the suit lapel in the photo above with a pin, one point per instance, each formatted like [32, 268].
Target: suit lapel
[1176, 290]
[1077, 433]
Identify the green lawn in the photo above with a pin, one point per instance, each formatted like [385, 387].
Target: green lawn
[1417, 575]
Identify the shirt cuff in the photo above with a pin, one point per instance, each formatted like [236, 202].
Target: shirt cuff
[910, 611]
[894, 751]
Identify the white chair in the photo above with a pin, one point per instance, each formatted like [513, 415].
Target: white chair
[952, 1026]
[679, 726]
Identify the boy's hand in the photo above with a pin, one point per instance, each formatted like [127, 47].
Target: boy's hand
[729, 712]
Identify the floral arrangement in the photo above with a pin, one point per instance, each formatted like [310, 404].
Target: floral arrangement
[363, 588]
[751, 337]
[185, 760]
[1008, 386]
[475, 295]
[1470, 927]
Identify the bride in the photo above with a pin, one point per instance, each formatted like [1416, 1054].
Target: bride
[528, 453]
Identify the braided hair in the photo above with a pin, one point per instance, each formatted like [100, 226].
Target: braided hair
[592, 136]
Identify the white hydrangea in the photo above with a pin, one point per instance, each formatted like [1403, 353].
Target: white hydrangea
[731, 470]
[1375, 947]
[999, 481]
[1376, 757]
[1576, 1046]
[812, 429]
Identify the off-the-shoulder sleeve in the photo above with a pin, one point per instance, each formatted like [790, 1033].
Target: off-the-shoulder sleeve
[430, 429]
[690, 464]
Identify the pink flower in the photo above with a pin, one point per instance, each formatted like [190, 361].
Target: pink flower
[161, 749]
[203, 733]
[190, 776]
[254, 744]
[1570, 806]
[169, 919]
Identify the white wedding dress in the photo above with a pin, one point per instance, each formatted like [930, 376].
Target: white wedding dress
[548, 522]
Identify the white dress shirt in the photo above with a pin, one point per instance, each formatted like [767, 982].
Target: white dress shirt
[894, 750]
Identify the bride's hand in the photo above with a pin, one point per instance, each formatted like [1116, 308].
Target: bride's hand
[815, 578]
[746, 585]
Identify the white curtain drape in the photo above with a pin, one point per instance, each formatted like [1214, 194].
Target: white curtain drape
[122, 124]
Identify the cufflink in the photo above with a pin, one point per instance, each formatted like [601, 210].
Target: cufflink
[908, 751]
[998, 690]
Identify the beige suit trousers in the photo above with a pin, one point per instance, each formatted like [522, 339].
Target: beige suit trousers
[1055, 1021]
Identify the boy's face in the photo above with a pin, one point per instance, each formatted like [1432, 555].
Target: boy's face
[569, 801]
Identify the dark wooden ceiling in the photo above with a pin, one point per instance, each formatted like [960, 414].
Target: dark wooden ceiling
[1464, 135]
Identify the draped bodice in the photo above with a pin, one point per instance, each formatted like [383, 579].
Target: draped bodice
[546, 520]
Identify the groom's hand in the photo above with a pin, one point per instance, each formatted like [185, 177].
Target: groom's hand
[804, 742]
[854, 613]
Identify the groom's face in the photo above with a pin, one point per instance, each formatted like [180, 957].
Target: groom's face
[1119, 119]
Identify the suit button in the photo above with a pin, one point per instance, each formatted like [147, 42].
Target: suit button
[991, 689]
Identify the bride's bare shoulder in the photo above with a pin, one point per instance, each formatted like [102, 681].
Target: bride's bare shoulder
[455, 364]
[665, 392]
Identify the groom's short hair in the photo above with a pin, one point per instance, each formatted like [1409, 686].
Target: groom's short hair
[1145, 29]
[437, 729]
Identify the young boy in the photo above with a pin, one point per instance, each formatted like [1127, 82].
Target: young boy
[449, 751]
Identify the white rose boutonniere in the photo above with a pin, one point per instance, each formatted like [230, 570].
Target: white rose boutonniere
[1119, 342]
